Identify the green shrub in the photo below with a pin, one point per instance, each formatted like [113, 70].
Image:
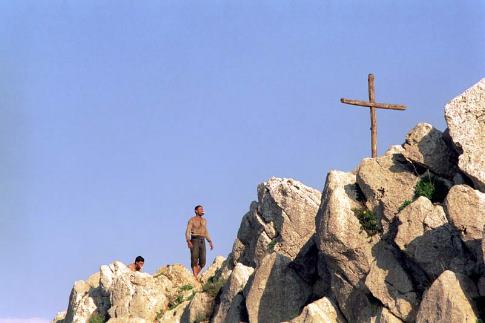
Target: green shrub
[96, 318]
[213, 286]
[271, 245]
[404, 204]
[186, 287]
[368, 221]
[425, 187]
[173, 303]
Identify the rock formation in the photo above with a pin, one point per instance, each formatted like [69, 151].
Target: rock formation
[401, 239]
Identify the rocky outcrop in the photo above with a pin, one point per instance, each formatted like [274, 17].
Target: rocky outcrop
[401, 239]
[391, 284]
[426, 237]
[386, 182]
[323, 310]
[449, 299]
[465, 116]
[276, 293]
[427, 146]
[282, 220]
[347, 249]
[230, 304]
[465, 208]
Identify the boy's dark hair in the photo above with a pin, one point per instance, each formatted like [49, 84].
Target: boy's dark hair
[139, 258]
[196, 207]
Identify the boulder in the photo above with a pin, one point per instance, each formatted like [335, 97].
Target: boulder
[282, 220]
[465, 116]
[174, 315]
[426, 145]
[426, 237]
[276, 293]
[386, 182]
[177, 274]
[465, 208]
[60, 317]
[199, 309]
[213, 269]
[231, 289]
[389, 283]
[347, 249]
[323, 310]
[385, 316]
[449, 300]
[86, 300]
[137, 295]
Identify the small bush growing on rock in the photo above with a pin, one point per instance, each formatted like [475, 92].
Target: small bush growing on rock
[213, 286]
[425, 187]
[368, 221]
[404, 204]
[271, 245]
[186, 287]
[173, 303]
[96, 318]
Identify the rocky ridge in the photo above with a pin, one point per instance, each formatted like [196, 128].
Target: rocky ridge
[400, 239]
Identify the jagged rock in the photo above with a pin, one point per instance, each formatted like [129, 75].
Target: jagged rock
[174, 315]
[320, 311]
[60, 317]
[136, 295]
[199, 308]
[465, 116]
[86, 300]
[282, 220]
[276, 293]
[426, 145]
[213, 269]
[386, 182]
[448, 300]
[177, 274]
[232, 288]
[390, 284]
[384, 316]
[346, 247]
[425, 236]
[466, 211]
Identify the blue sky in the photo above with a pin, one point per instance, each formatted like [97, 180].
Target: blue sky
[117, 117]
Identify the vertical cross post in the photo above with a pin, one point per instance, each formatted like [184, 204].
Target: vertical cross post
[373, 117]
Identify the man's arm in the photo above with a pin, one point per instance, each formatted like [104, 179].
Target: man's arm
[188, 232]
[207, 235]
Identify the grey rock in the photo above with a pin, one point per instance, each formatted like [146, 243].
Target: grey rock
[465, 116]
[427, 146]
[386, 182]
[449, 300]
[347, 249]
[465, 208]
[390, 283]
[231, 289]
[425, 236]
[276, 293]
[322, 310]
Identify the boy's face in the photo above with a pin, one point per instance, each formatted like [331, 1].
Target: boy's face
[139, 265]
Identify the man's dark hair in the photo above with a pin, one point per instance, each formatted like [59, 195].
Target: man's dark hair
[139, 258]
[196, 207]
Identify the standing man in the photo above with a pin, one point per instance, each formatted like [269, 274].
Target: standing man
[195, 235]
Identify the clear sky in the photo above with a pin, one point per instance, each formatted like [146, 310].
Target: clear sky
[117, 117]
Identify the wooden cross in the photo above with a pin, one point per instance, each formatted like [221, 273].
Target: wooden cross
[372, 104]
